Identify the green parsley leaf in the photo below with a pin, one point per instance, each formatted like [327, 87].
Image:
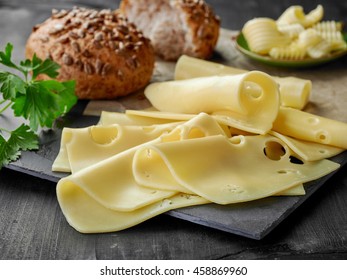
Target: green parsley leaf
[5, 57]
[39, 94]
[26, 67]
[11, 85]
[67, 97]
[37, 67]
[21, 139]
[47, 67]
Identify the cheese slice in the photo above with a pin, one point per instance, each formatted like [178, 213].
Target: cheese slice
[309, 127]
[61, 162]
[164, 180]
[294, 191]
[109, 118]
[86, 215]
[226, 171]
[308, 151]
[295, 92]
[251, 100]
[82, 147]
[228, 123]
[111, 181]
[200, 125]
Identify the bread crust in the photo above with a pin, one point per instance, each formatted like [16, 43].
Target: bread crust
[175, 27]
[106, 55]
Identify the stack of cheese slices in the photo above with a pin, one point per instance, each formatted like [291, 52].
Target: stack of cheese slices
[215, 134]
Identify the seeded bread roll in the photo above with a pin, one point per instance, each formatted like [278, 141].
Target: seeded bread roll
[175, 27]
[106, 55]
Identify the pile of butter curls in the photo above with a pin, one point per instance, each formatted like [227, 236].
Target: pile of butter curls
[295, 35]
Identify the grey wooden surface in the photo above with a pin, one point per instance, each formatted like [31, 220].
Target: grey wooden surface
[32, 225]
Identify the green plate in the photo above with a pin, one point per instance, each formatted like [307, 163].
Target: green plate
[242, 46]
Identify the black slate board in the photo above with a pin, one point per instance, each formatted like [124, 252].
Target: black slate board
[253, 219]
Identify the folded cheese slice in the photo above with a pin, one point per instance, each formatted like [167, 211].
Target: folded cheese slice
[86, 215]
[82, 147]
[164, 179]
[226, 170]
[110, 181]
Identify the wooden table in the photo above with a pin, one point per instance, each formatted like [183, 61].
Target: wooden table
[32, 225]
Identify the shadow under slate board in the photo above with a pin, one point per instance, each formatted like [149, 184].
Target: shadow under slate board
[253, 219]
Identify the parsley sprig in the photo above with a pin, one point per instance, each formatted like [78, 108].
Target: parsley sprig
[40, 102]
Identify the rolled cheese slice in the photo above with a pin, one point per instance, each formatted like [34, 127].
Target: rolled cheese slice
[251, 99]
[309, 127]
[294, 92]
